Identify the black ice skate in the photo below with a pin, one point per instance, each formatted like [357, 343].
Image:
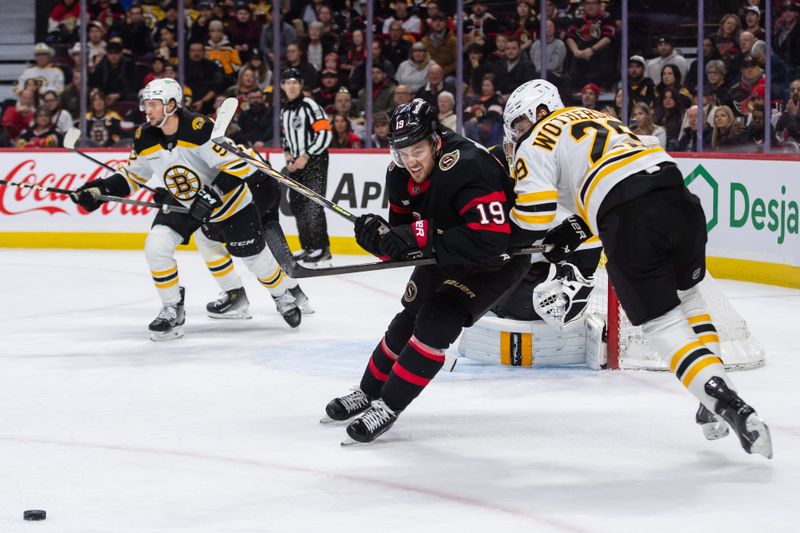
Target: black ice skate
[301, 300]
[168, 324]
[287, 307]
[752, 431]
[230, 305]
[320, 257]
[371, 424]
[713, 427]
[301, 255]
[347, 406]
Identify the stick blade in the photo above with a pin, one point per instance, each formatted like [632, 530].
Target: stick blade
[225, 114]
[71, 138]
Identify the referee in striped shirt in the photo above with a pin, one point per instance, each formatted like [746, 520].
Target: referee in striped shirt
[306, 133]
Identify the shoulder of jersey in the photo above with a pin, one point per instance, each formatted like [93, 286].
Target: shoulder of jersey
[195, 128]
[464, 156]
[146, 136]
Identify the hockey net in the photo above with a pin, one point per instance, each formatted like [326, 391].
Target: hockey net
[627, 347]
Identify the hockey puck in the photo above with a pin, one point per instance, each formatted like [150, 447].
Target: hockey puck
[34, 514]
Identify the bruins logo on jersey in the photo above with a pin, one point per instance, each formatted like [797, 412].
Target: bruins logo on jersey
[197, 123]
[182, 182]
[449, 160]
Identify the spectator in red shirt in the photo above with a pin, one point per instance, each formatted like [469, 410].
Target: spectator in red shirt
[589, 39]
[17, 118]
[243, 31]
[343, 135]
[41, 134]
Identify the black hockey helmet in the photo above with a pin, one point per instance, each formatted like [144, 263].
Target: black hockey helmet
[292, 73]
[411, 123]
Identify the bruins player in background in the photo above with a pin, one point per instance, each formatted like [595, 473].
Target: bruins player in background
[448, 199]
[653, 231]
[175, 150]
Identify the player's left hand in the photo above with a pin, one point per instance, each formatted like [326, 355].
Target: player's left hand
[409, 241]
[205, 202]
[565, 238]
[88, 195]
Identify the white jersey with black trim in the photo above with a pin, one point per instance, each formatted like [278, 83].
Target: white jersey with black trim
[187, 162]
[572, 158]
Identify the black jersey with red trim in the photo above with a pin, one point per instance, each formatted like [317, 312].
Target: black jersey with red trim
[466, 199]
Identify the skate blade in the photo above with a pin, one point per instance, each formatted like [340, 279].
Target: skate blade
[715, 430]
[230, 316]
[351, 443]
[174, 333]
[763, 444]
[307, 309]
[328, 421]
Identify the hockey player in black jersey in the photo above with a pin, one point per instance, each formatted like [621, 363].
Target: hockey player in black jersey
[448, 199]
[174, 152]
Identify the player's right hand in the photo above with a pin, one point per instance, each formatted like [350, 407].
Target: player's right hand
[88, 195]
[204, 204]
[161, 196]
[368, 230]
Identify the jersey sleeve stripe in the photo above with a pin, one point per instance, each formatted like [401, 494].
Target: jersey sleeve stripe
[608, 169]
[539, 208]
[495, 196]
[541, 220]
[496, 228]
[151, 150]
[543, 196]
[399, 209]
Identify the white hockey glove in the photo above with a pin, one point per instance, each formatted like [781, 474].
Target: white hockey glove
[562, 298]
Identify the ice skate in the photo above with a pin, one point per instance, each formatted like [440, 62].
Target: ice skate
[231, 305]
[752, 431]
[301, 300]
[287, 307]
[168, 324]
[319, 258]
[371, 424]
[713, 427]
[301, 255]
[346, 407]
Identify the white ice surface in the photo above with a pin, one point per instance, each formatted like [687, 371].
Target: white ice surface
[218, 432]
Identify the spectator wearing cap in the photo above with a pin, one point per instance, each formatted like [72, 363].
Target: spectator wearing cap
[556, 54]
[325, 94]
[296, 60]
[116, 75]
[751, 75]
[62, 120]
[256, 121]
[411, 23]
[382, 91]
[19, 116]
[589, 38]
[752, 21]
[287, 35]
[343, 103]
[514, 68]
[203, 76]
[96, 45]
[358, 76]
[481, 25]
[220, 51]
[396, 48]
[441, 45]
[137, 39]
[446, 103]
[380, 130]
[413, 72]
[41, 134]
[786, 35]
[590, 93]
[243, 31]
[667, 55]
[343, 134]
[48, 76]
[789, 122]
[727, 36]
[640, 87]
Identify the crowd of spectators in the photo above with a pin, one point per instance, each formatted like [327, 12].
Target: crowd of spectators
[229, 52]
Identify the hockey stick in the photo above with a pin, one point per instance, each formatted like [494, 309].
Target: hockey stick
[70, 142]
[276, 240]
[225, 114]
[105, 198]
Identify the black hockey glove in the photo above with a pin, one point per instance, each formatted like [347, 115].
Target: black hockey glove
[88, 195]
[409, 241]
[204, 204]
[565, 238]
[368, 230]
[162, 196]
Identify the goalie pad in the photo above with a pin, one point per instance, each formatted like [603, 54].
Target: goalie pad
[561, 299]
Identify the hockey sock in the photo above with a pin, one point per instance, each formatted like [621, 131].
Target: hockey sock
[219, 262]
[692, 362]
[385, 353]
[696, 312]
[266, 269]
[159, 250]
[416, 366]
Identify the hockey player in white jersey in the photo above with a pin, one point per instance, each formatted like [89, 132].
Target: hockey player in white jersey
[174, 151]
[652, 229]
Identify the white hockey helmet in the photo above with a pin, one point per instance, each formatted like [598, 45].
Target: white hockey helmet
[526, 99]
[164, 89]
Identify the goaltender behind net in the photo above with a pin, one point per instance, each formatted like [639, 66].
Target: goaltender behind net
[653, 231]
[174, 149]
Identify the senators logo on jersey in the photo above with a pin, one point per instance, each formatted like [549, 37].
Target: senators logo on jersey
[182, 182]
